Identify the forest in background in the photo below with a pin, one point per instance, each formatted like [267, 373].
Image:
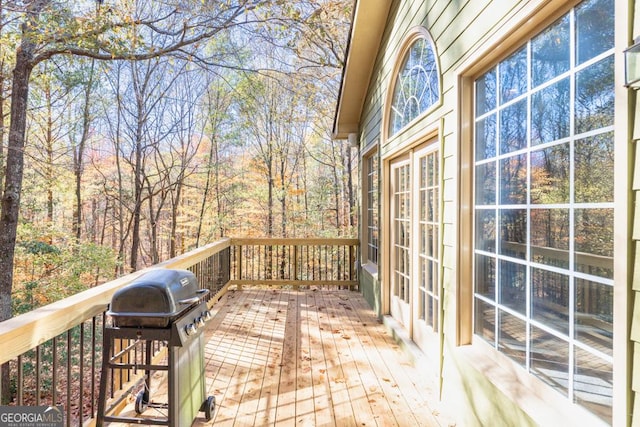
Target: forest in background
[139, 146]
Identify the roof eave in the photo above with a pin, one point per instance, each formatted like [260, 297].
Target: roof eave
[367, 27]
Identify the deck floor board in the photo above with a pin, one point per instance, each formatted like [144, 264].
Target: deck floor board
[321, 358]
[310, 358]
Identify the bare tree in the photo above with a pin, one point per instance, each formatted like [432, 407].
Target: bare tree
[217, 101]
[120, 31]
[78, 145]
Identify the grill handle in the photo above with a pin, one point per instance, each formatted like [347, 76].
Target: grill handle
[189, 301]
[196, 299]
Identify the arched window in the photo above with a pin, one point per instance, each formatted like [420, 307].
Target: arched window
[417, 84]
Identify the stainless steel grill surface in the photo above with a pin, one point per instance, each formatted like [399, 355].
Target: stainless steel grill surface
[155, 299]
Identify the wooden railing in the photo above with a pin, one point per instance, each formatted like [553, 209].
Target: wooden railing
[53, 355]
[295, 262]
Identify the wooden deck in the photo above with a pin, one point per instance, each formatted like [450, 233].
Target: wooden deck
[310, 358]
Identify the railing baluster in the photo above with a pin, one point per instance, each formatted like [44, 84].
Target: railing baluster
[54, 373]
[69, 376]
[294, 262]
[93, 365]
[38, 377]
[81, 374]
[20, 380]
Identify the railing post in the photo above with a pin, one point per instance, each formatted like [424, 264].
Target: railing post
[239, 266]
[295, 265]
[351, 265]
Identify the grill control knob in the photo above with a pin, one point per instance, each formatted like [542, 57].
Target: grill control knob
[199, 322]
[190, 329]
[206, 315]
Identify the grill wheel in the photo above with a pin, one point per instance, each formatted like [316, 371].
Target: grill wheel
[209, 407]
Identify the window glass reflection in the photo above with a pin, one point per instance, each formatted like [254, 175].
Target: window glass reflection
[594, 315]
[486, 137]
[417, 85]
[485, 321]
[544, 196]
[513, 180]
[594, 28]
[513, 232]
[429, 234]
[550, 52]
[593, 384]
[486, 230]
[594, 96]
[550, 113]
[550, 299]
[513, 127]
[513, 286]
[594, 242]
[513, 76]
[486, 276]
[550, 175]
[550, 359]
[550, 237]
[594, 169]
[512, 337]
[486, 184]
[486, 93]
[432, 205]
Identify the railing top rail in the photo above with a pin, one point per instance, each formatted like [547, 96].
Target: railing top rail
[293, 241]
[24, 332]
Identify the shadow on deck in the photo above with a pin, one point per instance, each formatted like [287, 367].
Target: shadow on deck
[310, 358]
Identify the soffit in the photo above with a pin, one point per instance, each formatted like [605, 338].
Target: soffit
[367, 27]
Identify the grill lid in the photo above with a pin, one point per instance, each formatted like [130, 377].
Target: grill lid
[154, 299]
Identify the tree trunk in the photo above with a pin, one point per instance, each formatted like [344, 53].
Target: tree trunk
[153, 225]
[48, 169]
[2, 99]
[13, 185]
[138, 174]
[2, 129]
[78, 154]
[218, 191]
[205, 193]
[336, 193]
[350, 192]
[173, 251]
[283, 198]
[14, 172]
[135, 234]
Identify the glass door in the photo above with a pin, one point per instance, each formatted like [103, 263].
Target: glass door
[401, 241]
[415, 240]
[426, 309]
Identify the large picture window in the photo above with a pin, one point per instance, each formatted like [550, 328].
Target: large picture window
[543, 206]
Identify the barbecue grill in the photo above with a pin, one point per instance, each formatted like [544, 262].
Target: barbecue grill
[162, 307]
